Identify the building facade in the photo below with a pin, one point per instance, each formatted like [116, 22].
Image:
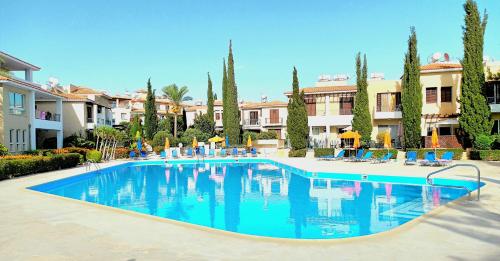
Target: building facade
[29, 113]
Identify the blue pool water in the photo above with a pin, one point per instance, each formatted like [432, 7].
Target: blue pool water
[260, 197]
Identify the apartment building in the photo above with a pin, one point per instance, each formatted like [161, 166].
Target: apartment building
[255, 116]
[86, 109]
[29, 113]
[125, 107]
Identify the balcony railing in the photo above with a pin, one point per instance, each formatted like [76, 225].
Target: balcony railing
[398, 107]
[273, 121]
[47, 116]
[251, 122]
[493, 100]
[345, 112]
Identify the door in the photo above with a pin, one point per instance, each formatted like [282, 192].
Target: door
[254, 117]
[275, 116]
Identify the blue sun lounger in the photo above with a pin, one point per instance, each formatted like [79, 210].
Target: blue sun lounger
[189, 152]
[211, 153]
[174, 154]
[411, 158]
[429, 159]
[365, 158]
[383, 159]
[223, 153]
[253, 151]
[357, 157]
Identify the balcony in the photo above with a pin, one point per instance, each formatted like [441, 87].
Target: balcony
[494, 104]
[47, 120]
[330, 120]
[273, 122]
[388, 114]
[251, 123]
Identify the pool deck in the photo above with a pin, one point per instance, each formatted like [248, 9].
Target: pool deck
[37, 226]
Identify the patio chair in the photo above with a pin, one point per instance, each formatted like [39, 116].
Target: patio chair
[445, 159]
[163, 154]
[234, 153]
[223, 153]
[189, 152]
[365, 158]
[211, 153]
[411, 158]
[132, 154]
[253, 152]
[202, 151]
[429, 159]
[357, 157]
[244, 153]
[144, 154]
[175, 155]
[383, 159]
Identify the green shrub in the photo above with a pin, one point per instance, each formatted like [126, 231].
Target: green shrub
[379, 153]
[159, 138]
[267, 135]
[493, 155]
[483, 142]
[187, 136]
[297, 153]
[78, 141]
[319, 152]
[35, 164]
[81, 151]
[94, 155]
[3, 150]
[252, 134]
[457, 153]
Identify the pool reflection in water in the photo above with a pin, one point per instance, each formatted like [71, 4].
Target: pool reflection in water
[258, 199]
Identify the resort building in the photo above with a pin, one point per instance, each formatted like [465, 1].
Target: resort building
[29, 113]
[125, 107]
[86, 109]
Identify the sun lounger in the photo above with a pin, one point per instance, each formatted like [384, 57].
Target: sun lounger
[411, 158]
[211, 153]
[189, 152]
[223, 153]
[357, 157]
[445, 159]
[234, 153]
[202, 151]
[383, 159]
[365, 158]
[132, 154]
[174, 154]
[253, 151]
[244, 153]
[163, 154]
[144, 154]
[429, 159]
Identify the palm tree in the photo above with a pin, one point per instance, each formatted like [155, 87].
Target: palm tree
[3, 71]
[177, 96]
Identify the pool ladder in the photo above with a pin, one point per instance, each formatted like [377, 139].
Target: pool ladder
[90, 163]
[478, 172]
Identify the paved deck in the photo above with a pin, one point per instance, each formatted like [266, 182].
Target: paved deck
[41, 227]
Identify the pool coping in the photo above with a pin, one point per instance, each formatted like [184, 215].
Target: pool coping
[400, 228]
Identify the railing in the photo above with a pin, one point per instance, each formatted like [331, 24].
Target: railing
[493, 100]
[398, 107]
[273, 121]
[345, 112]
[478, 172]
[47, 116]
[251, 122]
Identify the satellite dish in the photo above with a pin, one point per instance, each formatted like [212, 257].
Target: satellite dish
[446, 57]
[436, 57]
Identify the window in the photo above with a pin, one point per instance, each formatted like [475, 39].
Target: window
[16, 103]
[445, 94]
[389, 102]
[24, 140]
[346, 105]
[124, 116]
[217, 116]
[274, 116]
[18, 139]
[440, 131]
[89, 114]
[320, 105]
[431, 95]
[99, 109]
[311, 106]
[496, 127]
[11, 139]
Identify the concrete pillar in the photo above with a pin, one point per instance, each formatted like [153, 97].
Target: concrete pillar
[59, 110]
[94, 113]
[59, 138]
[327, 105]
[32, 128]
[328, 136]
[28, 75]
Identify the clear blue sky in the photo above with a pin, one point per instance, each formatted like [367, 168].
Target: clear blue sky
[117, 45]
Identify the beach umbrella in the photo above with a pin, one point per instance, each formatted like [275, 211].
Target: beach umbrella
[195, 142]
[167, 144]
[356, 143]
[387, 141]
[249, 141]
[216, 139]
[435, 139]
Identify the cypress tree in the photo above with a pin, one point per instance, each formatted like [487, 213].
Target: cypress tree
[210, 100]
[475, 114]
[298, 129]
[135, 126]
[362, 120]
[411, 97]
[232, 115]
[150, 113]
[225, 99]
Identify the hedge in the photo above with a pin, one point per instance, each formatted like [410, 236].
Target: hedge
[457, 153]
[493, 155]
[319, 152]
[297, 153]
[379, 153]
[36, 164]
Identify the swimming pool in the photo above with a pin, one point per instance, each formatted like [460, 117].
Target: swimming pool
[260, 197]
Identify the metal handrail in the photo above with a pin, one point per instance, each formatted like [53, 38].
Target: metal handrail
[478, 172]
[91, 163]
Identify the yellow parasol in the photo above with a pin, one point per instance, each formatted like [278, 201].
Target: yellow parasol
[167, 144]
[195, 142]
[387, 140]
[216, 139]
[249, 141]
[349, 135]
[435, 139]
[356, 141]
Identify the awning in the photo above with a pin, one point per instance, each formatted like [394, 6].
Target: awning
[447, 122]
[348, 128]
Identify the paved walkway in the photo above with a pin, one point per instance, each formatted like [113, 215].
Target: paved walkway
[40, 227]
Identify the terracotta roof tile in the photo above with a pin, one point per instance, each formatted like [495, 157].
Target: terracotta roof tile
[27, 84]
[323, 89]
[257, 105]
[440, 66]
